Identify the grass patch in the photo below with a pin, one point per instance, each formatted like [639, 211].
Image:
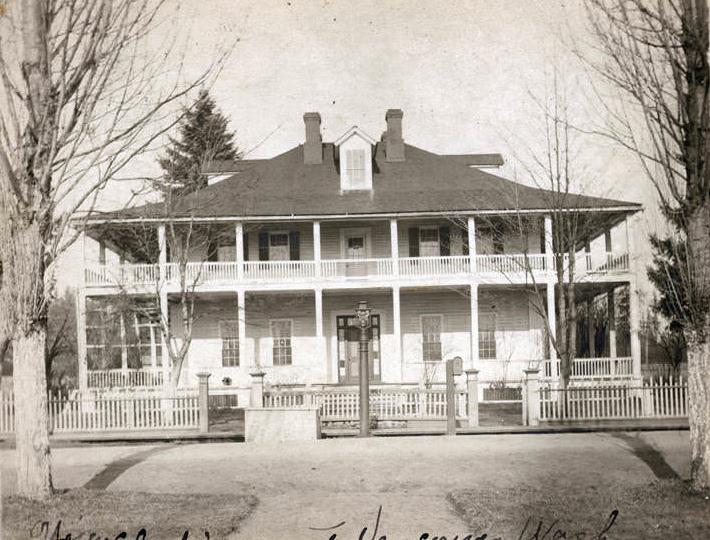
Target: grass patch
[662, 509]
[107, 514]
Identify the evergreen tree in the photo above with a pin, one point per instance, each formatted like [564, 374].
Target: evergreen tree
[203, 137]
[666, 273]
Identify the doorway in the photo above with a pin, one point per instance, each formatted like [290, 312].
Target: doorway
[349, 349]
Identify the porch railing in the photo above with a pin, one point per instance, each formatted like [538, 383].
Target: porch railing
[228, 272]
[385, 404]
[110, 378]
[593, 368]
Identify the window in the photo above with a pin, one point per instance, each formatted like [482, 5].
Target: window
[229, 334]
[429, 242]
[487, 337]
[278, 247]
[355, 169]
[431, 337]
[281, 335]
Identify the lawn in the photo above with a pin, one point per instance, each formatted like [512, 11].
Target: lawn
[81, 512]
[663, 509]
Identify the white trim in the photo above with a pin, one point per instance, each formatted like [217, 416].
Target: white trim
[354, 130]
[355, 216]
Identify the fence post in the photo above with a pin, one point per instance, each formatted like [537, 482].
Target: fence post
[531, 398]
[204, 399]
[472, 389]
[256, 395]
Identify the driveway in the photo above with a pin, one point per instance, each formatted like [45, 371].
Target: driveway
[317, 485]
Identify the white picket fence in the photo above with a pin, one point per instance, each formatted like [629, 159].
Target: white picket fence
[659, 398]
[98, 413]
[385, 404]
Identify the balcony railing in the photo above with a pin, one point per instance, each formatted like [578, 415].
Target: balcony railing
[585, 368]
[284, 271]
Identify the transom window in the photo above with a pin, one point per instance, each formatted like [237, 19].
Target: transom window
[355, 169]
[278, 247]
[431, 337]
[281, 330]
[229, 334]
[487, 337]
[429, 242]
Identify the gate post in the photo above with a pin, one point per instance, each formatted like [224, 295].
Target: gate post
[472, 390]
[256, 395]
[531, 398]
[204, 400]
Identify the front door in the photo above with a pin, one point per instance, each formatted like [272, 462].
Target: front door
[349, 349]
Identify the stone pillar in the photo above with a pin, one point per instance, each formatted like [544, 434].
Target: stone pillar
[471, 231]
[316, 247]
[397, 330]
[242, 326]
[394, 242]
[204, 399]
[474, 326]
[531, 398]
[256, 395]
[239, 249]
[472, 390]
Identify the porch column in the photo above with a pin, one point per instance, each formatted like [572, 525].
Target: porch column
[242, 326]
[124, 347]
[163, 254]
[549, 247]
[550, 290]
[239, 248]
[611, 315]
[590, 329]
[81, 340]
[474, 326]
[164, 320]
[471, 231]
[397, 330]
[316, 247]
[394, 241]
[607, 245]
[320, 338]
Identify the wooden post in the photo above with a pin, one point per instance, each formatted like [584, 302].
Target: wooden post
[531, 398]
[471, 232]
[256, 395]
[472, 390]
[316, 247]
[474, 325]
[204, 399]
[239, 249]
[394, 243]
[363, 316]
[450, 399]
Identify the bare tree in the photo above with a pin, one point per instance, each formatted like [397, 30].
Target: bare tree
[653, 54]
[80, 97]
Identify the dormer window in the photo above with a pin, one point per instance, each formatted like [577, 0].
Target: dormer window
[355, 155]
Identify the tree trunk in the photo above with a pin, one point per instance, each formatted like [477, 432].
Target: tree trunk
[698, 340]
[34, 477]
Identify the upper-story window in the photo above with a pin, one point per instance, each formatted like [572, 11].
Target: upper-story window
[279, 246]
[355, 156]
[429, 245]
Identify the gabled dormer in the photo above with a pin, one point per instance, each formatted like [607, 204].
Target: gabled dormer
[355, 157]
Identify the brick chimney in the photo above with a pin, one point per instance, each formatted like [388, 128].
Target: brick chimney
[312, 148]
[394, 144]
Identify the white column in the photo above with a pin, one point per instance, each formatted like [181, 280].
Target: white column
[124, 346]
[397, 330]
[242, 326]
[471, 231]
[394, 240]
[549, 246]
[474, 326]
[81, 340]
[162, 246]
[611, 314]
[165, 319]
[320, 338]
[239, 248]
[316, 247]
[634, 316]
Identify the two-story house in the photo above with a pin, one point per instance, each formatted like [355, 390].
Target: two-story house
[452, 259]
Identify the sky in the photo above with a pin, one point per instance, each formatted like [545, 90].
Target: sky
[468, 75]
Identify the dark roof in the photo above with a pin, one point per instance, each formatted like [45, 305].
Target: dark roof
[423, 182]
[477, 160]
[223, 166]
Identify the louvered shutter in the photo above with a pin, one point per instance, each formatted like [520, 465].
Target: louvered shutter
[294, 245]
[464, 242]
[414, 241]
[245, 236]
[263, 246]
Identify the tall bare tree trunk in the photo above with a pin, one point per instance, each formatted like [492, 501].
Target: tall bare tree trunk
[34, 478]
[699, 353]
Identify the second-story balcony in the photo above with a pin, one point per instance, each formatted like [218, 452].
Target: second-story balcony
[495, 267]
